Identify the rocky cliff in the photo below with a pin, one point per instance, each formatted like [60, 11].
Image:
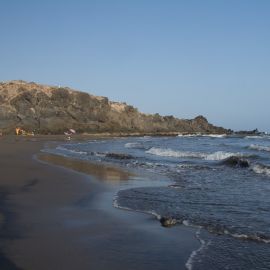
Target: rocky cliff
[53, 110]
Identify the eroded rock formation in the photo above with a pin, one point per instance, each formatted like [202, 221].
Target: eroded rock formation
[52, 110]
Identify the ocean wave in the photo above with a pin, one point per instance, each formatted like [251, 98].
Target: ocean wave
[216, 229]
[194, 254]
[146, 137]
[61, 148]
[171, 153]
[203, 135]
[219, 155]
[195, 167]
[98, 154]
[117, 205]
[255, 237]
[188, 135]
[135, 145]
[259, 147]
[175, 186]
[210, 228]
[261, 169]
[257, 137]
[215, 135]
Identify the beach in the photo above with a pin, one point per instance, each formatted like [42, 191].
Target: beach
[57, 213]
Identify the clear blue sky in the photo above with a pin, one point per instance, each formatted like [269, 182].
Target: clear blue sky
[172, 57]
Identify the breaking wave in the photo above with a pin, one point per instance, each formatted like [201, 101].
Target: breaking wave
[210, 227]
[188, 135]
[215, 135]
[258, 137]
[261, 169]
[219, 155]
[215, 228]
[259, 147]
[135, 145]
[171, 153]
[61, 148]
[203, 135]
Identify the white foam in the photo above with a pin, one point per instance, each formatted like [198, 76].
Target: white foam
[134, 145]
[189, 135]
[220, 155]
[190, 261]
[98, 154]
[203, 135]
[215, 135]
[259, 147]
[116, 205]
[257, 137]
[185, 166]
[70, 150]
[261, 169]
[171, 153]
[186, 223]
[247, 237]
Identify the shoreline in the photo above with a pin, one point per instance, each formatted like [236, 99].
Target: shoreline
[66, 218]
[98, 135]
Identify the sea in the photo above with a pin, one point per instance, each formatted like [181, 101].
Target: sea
[228, 204]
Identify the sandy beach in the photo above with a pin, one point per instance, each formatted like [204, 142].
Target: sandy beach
[57, 213]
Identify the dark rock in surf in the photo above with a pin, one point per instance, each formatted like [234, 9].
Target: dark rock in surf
[119, 156]
[167, 221]
[254, 132]
[236, 162]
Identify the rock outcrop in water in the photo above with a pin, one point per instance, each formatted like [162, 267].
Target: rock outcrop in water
[119, 156]
[53, 110]
[167, 221]
[235, 161]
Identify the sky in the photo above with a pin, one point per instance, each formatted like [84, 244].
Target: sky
[181, 58]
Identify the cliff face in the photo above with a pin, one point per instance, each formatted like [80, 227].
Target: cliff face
[52, 110]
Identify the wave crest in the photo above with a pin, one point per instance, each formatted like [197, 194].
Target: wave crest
[259, 147]
[261, 169]
[219, 155]
[203, 135]
[257, 137]
[171, 153]
[61, 148]
[135, 145]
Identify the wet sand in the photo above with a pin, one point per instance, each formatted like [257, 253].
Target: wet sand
[61, 216]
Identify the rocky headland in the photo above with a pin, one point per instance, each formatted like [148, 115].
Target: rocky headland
[52, 110]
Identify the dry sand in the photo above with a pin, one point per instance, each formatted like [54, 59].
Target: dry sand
[54, 218]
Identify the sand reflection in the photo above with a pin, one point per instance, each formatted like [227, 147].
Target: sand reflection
[100, 171]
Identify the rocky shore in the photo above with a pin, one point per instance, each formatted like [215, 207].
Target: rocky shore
[46, 109]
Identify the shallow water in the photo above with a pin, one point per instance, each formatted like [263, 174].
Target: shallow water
[230, 204]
